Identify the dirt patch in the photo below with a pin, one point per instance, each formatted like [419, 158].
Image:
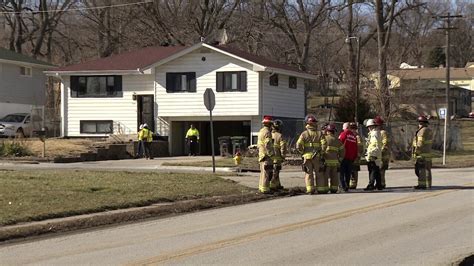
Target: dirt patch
[134, 214]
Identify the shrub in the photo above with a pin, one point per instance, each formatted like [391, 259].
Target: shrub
[14, 148]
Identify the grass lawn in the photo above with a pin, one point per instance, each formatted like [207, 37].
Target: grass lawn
[38, 195]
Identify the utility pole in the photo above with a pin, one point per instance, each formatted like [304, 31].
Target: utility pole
[447, 29]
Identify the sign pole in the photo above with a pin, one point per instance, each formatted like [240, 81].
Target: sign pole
[210, 102]
[212, 144]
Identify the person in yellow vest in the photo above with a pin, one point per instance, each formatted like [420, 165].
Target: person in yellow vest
[265, 154]
[146, 136]
[332, 152]
[422, 153]
[309, 145]
[280, 149]
[192, 138]
[360, 152]
[141, 144]
[385, 148]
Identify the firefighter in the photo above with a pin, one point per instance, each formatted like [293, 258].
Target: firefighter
[333, 152]
[374, 156]
[360, 151]
[422, 153]
[309, 145]
[280, 149]
[192, 138]
[385, 148]
[265, 154]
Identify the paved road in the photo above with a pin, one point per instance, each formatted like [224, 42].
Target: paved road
[397, 226]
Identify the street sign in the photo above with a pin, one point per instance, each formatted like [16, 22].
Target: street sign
[209, 99]
[442, 113]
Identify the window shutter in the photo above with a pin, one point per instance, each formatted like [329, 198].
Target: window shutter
[243, 81]
[118, 85]
[220, 81]
[74, 85]
[169, 81]
[192, 81]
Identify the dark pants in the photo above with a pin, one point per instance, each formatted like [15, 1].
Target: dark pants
[346, 171]
[147, 149]
[141, 149]
[193, 145]
[374, 175]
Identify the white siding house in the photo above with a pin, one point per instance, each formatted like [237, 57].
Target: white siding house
[165, 88]
[22, 83]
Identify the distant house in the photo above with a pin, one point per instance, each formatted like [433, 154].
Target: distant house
[164, 86]
[22, 82]
[423, 89]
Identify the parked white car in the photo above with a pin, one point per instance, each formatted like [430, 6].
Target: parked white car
[16, 125]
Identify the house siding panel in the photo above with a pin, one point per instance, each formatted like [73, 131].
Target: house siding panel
[15, 88]
[122, 110]
[191, 104]
[281, 101]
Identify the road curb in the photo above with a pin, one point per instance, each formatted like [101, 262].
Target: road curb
[160, 210]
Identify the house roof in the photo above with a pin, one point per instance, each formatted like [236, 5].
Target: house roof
[146, 58]
[131, 60]
[257, 59]
[433, 73]
[8, 55]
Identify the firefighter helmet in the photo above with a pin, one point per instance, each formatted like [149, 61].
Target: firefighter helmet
[331, 128]
[422, 119]
[277, 123]
[267, 119]
[370, 123]
[379, 121]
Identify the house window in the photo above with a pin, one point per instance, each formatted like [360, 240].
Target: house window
[181, 82]
[292, 82]
[274, 80]
[96, 86]
[25, 71]
[96, 126]
[231, 81]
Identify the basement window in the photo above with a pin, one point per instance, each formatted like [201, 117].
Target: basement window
[96, 126]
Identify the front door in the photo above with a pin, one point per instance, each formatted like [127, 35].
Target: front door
[146, 111]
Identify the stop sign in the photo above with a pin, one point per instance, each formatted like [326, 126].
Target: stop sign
[209, 99]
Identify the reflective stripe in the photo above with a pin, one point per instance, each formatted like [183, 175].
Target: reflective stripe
[334, 162]
[322, 189]
[332, 148]
[312, 144]
[263, 188]
[309, 188]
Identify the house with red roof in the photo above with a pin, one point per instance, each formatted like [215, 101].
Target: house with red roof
[164, 86]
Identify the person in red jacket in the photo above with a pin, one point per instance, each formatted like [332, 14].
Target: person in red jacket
[349, 139]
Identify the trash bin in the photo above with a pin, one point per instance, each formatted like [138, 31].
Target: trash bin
[225, 147]
[239, 143]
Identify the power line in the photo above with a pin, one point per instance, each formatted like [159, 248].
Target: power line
[79, 8]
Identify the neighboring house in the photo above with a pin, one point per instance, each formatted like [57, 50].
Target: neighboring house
[423, 90]
[164, 86]
[461, 80]
[22, 82]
